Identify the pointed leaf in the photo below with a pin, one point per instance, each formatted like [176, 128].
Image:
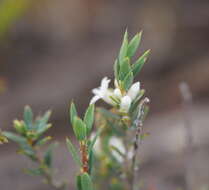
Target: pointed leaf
[73, 152]
[42, 122]
[116, 69]
[78, 182]
[79, 128]
[89, 118]
[137, 66]
[73, 112]
[28, 117]
[125, 68]
[86, 182]
[48, 155]
[134, 44]
[124, 48]
[127, 82]
[14, 137]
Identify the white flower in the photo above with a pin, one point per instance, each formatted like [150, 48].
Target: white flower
[134, 90]
[117, 93]
[117, 142]
[102, 92]
[125, 104]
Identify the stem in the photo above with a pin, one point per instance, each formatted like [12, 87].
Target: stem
[190, 146]
[84, 156]
[139, 124]
[46, 171]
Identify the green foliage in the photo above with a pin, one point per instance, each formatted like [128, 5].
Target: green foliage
[137, 66]
[89, 118]
[73, 152]
[86, 182]
[79, 128]
[73, 112]
[134, 44]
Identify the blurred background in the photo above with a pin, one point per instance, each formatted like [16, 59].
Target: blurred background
[52, 51]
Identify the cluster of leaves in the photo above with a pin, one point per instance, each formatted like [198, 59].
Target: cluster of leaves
[117, 173]
[82, 130]
[123, 69]
[118, 131]
[29, 137]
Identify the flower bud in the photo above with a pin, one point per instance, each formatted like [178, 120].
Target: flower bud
[117, 93]
[125, 104]
[134, 90]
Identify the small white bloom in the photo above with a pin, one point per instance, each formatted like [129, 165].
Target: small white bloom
[102, 92]
[117, 93]
[125, 103]
[134, 90]
[117, 142]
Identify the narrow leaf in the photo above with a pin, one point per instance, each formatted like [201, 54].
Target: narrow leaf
[14, 137]
[124, 48]
[127, 82]
[79, 128]
[78, 182]
[73, 112]
[125, 68]
[116, 69]
[86, 182]
[89, 118]
[28, 117]
[73, 152]
[48, 155]
[137, 66]
[134, 44]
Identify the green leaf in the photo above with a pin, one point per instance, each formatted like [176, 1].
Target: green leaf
[19, 126]
[125, 68]
[43, 141]
[91, 161]
[86, 182]
[73, 112]
[73, 152]
[48, 155]
[124, 48]
[28, 117]
[79, 128]
[137, 66]
[42, 122]
[116, 69]
[108, 114]
[89, 118]
[13, 137]
[127, 82]
[134, 44]
[78, 182]
[94, 141]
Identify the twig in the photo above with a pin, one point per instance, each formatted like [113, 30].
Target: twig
[186, 106]
[139, 123]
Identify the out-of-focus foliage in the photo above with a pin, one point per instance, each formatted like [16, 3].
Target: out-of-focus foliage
[10, 11]
[30, 139]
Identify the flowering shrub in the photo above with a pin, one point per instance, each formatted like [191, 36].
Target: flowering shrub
[107, 158]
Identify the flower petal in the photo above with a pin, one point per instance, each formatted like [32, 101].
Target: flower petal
[104, 84]
[134, 90]
[94, 99]
[125, 104]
